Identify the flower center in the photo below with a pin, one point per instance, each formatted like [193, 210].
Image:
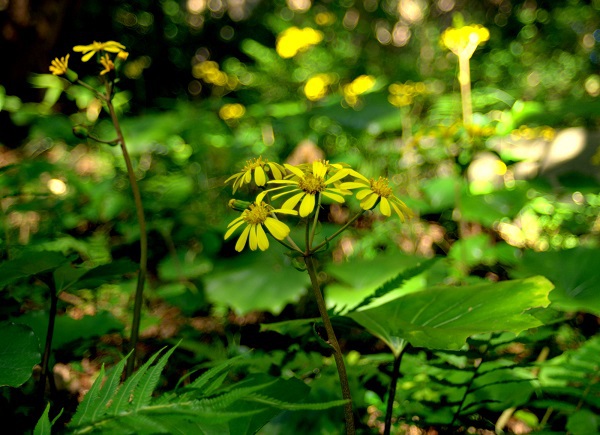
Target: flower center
[254, 163]
[311, 184]
[256, 214]
[381, 187]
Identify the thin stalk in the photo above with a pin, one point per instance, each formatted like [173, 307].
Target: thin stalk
[139, 290]
[338, 232]
[392, 393]
[44, 375]
[464, 78]
[332, 340]
[314, 225]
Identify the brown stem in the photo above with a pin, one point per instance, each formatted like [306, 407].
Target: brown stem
[332, 340]
[139, 291]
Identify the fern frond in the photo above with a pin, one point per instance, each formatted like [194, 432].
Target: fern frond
[222, 401]
[108, 389]
[211, 374]
[143, 393]
[279, 404]
[86, 408]
[123, 397]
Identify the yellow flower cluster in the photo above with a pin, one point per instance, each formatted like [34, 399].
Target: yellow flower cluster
[316, 87]
[231, 112]
[304, 186]
[403, 94]
[209, 72]
[357, 87]
[464, 41]
[60, 66]
[294, 40]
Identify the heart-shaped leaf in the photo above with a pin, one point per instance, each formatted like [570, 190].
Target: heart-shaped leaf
[444, 317]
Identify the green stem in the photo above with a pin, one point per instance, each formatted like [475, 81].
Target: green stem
[392, 393]
[332, 340]
[314, 225]
[44, 375]
[337, 233]
[139, 290]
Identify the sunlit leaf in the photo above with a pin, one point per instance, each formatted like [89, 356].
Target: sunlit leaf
[444, 317]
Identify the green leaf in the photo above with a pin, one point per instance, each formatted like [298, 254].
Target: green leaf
[43, 425]
[444, 317]
[19, 352]
[574, 272]
[31, 263]
[73, 278]
[256, 281]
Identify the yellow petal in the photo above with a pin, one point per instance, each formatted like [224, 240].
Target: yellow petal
[384, 207]
[277, 173]
[239, 246]
[260, 178]
[232, 177]
[294, 170]
[337, 176]
[307, 205]
[278, 229]
[253, 237]
[319, 169]
[263, 241]
[363, 193]
[334, 196]
[248, 176]
[353, 185]
[369, 202]
[291, 202]
[398, 212]
[88, 56]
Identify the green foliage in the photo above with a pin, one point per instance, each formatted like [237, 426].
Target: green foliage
[19, 352]
[206, 405]
[444, 317]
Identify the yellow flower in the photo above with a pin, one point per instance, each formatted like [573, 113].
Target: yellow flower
[255, 217]
[107, 63]
[123, 55]
[89, 50]
[377, 191]
[464, 41]
[260, 168]
[315, 180]
[60, 66]
[294, 40]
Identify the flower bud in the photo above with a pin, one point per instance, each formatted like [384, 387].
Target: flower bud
[238, 204]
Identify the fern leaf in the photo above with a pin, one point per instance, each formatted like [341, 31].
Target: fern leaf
[86, 408]
[275, 403]
[148, 382]
[108, 389]
[236, 393]
[395, 283]
[212, 374]
[122, 399]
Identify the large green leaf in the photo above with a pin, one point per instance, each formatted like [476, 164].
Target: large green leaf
[258, 281]
[19, 352]
[574, 272]
[444, 317]
[30, 264]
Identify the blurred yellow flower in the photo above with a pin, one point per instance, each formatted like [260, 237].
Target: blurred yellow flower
[107, 63]
[316, 87]
[209, 71]
[317, 179]
[255, 217]
[260, 168]
[294, 40]
[95, 47]
[403, 94]
[60, 66]
[375, 192]
[358, 86]
[465, 40]
[231, 111]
